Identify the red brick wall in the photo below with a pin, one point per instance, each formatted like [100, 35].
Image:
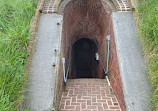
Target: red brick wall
[89, 19]
[114, 73]
[59, 86]
[85, 19]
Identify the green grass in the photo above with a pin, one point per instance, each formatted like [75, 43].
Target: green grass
[15, 22]
[148, 13]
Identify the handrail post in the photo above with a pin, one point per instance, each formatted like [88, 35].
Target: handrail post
[107, 59]
[63, 62]
[107, 63]
[65, 73]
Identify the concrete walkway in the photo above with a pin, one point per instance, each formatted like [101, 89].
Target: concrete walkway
[131, 62]
[88, 95]
[42, 77]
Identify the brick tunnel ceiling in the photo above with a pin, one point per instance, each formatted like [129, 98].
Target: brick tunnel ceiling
[85, 19]
[92, 19]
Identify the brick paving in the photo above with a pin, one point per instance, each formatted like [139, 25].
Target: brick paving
[124, 5]
[50, 6]
[88, 95]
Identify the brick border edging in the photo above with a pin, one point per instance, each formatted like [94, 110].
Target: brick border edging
[31, 46]
[33, 35]
[38, 11]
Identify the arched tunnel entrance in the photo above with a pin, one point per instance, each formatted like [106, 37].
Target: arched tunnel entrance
[84, 61]
[85, 19]
[86, 24]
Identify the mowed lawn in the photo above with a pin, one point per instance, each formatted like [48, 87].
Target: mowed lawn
[15, 22]
[148, 24]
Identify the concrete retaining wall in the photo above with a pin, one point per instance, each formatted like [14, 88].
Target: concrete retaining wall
[131, 62]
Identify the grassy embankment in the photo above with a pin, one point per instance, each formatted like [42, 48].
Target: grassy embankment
[15, 22]
[148, 13]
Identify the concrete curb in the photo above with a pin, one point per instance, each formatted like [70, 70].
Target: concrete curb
[131, 62]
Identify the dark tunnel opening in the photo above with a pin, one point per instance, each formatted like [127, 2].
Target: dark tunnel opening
[84, 63]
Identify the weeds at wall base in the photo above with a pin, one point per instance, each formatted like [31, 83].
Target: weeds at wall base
[147, 20]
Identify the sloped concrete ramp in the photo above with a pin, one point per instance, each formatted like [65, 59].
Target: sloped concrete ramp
[131, 62]
[42, 77]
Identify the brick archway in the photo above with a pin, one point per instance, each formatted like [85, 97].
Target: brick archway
[86, 18]
[64, 3]
[90, 19]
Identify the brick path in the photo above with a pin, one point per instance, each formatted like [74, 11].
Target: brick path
[88, 95]
[124, 5]
[50, 6]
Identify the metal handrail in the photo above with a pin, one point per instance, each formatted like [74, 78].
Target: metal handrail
[107, 61]
[105, 71]
[67, 72]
